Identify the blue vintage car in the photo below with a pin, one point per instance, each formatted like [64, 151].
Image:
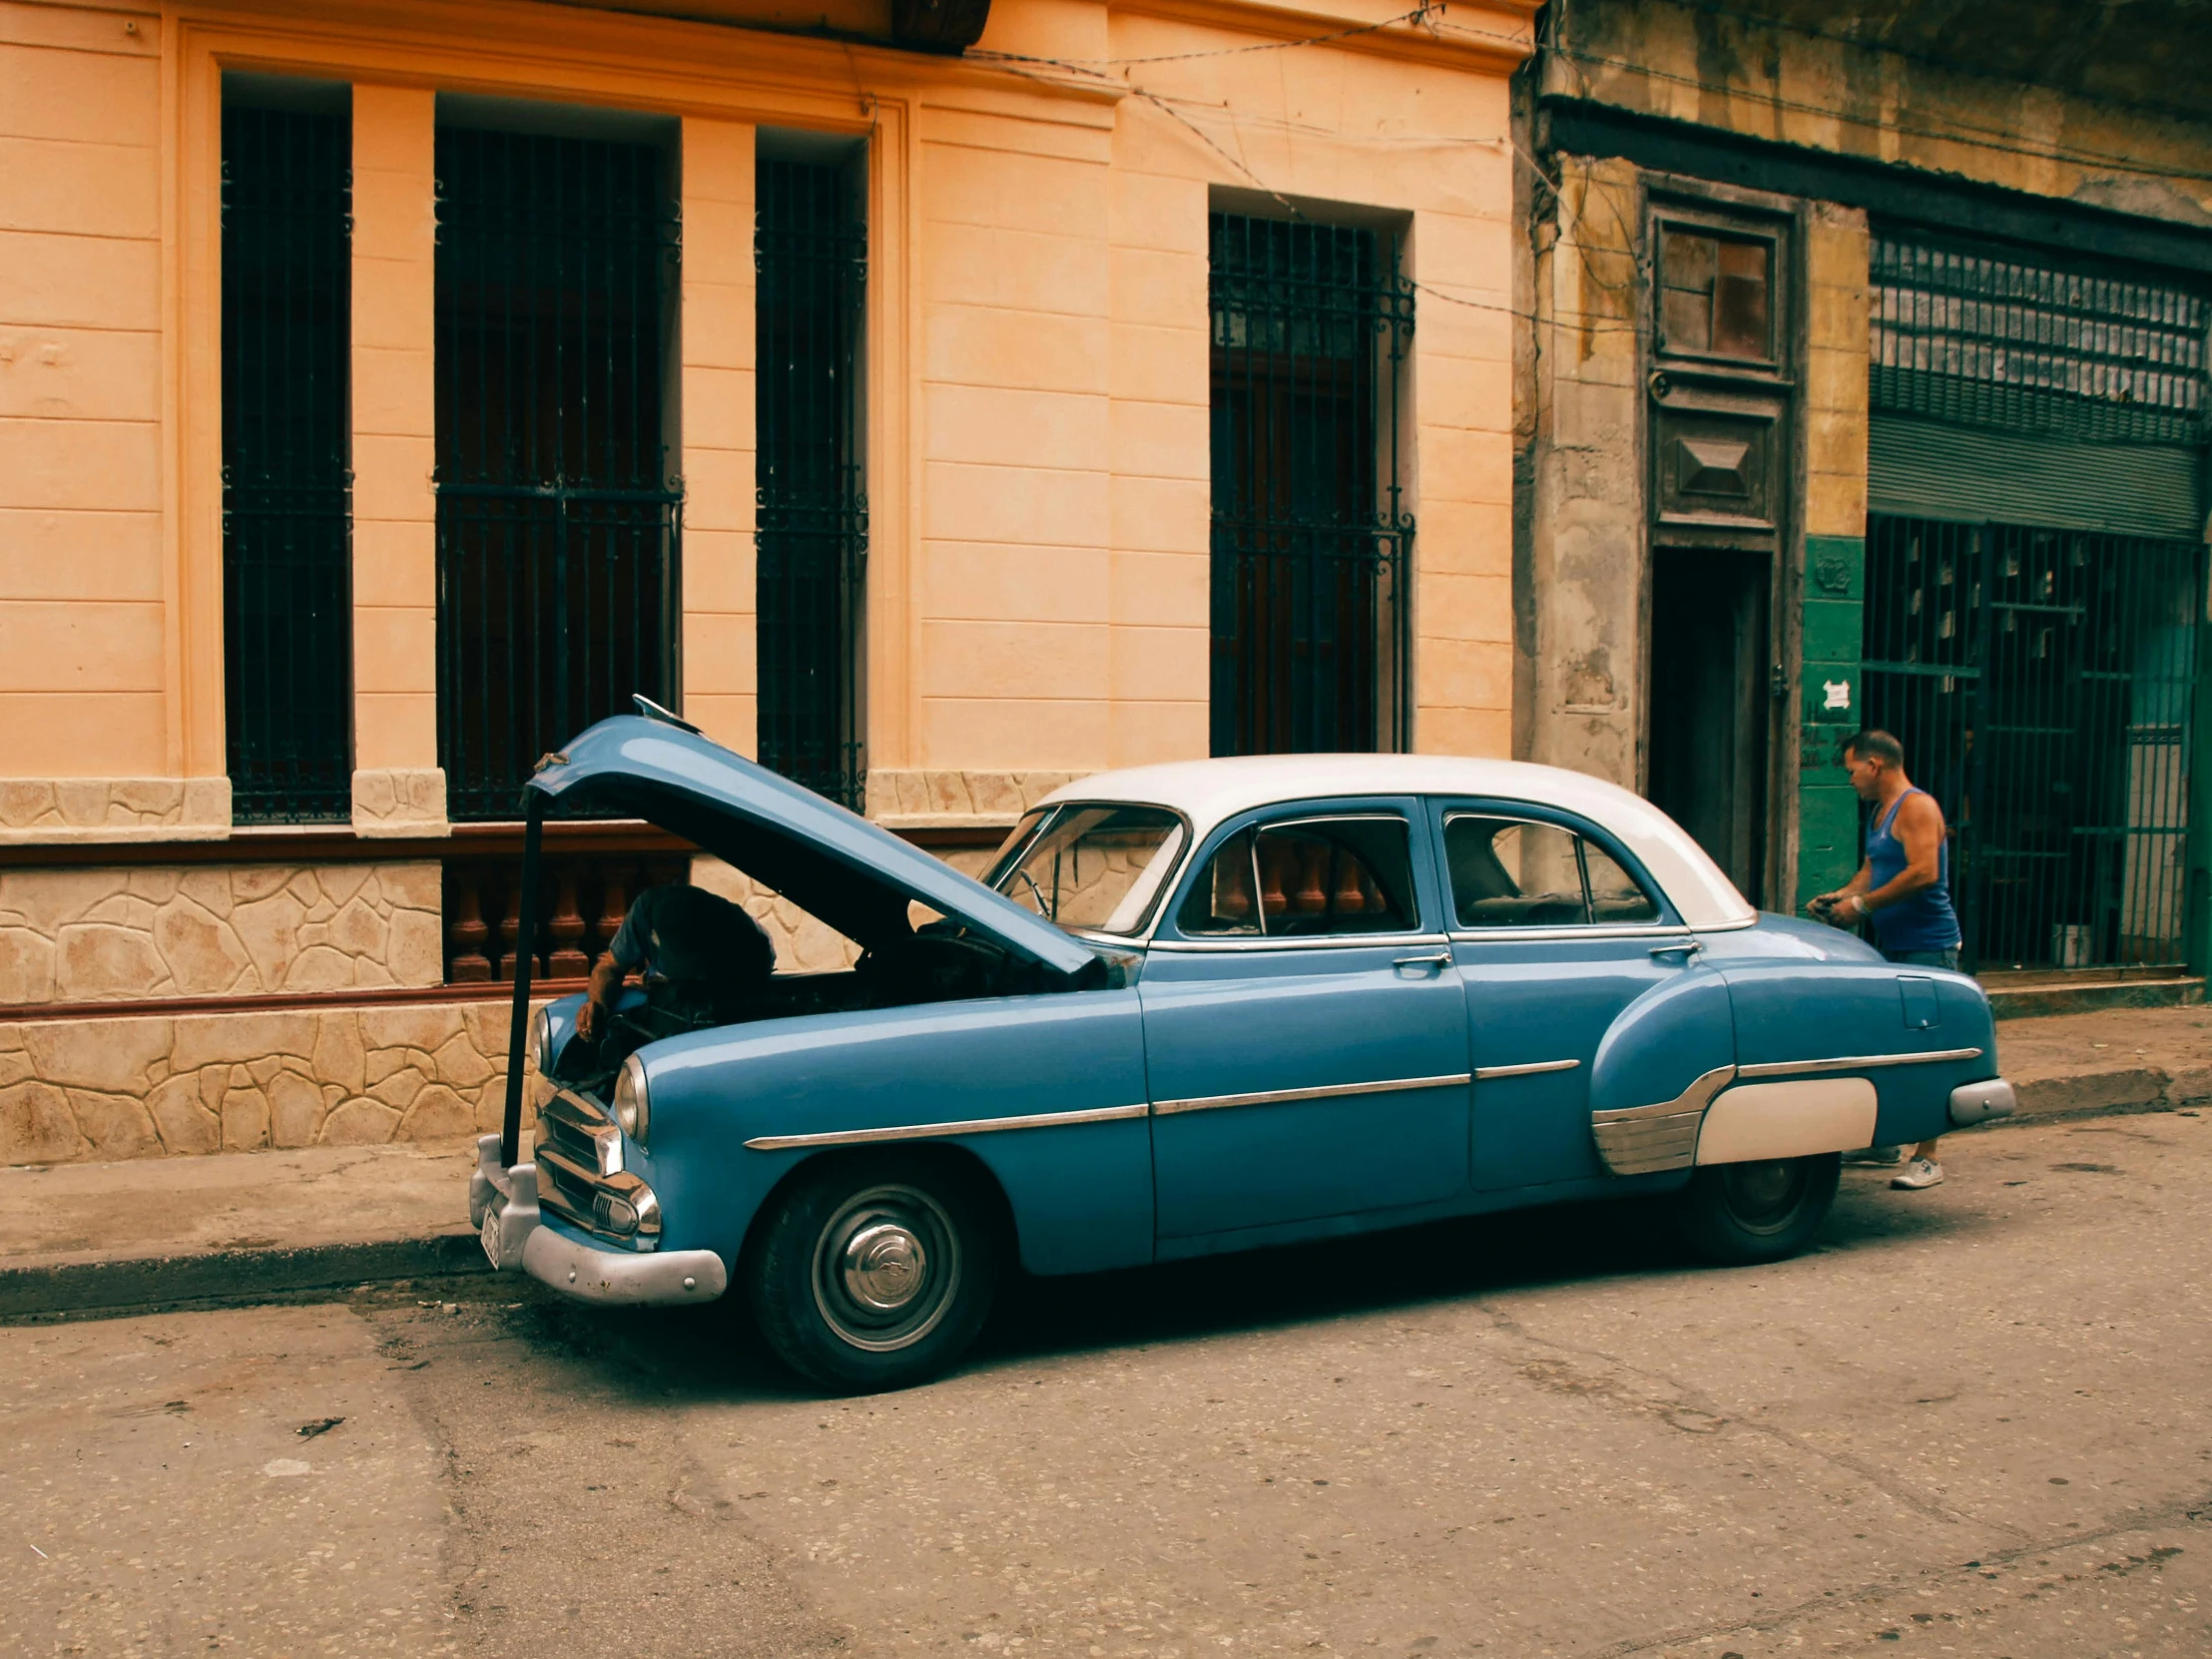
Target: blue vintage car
[1198, 1007]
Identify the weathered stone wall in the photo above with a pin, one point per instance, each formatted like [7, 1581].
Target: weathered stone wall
[1580, 545]
[139, 1086]
[91, 935]
[1701, 64]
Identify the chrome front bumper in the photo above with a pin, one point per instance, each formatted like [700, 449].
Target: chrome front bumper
[503, 1206]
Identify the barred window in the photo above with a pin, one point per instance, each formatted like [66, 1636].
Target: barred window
[286, 484]
[557, 511]
[1985, 338]
[810, 248]
[1310, 324]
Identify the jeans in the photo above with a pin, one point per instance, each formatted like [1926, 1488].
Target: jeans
[1925, 958]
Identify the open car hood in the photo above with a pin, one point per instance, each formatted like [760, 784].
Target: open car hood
[853, 875]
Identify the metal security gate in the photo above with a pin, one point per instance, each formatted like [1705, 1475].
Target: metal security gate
[811, 249]
[2042, 681]
[1311, 325]
[2034, 585]
[286, 486]
[557, 516]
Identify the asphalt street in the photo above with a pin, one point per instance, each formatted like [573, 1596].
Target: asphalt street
[1978, 1420]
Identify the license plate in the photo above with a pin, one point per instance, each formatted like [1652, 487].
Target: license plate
[490, 1238]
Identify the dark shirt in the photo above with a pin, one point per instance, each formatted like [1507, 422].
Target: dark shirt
[687, 936]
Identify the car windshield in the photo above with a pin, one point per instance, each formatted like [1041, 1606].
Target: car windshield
[1097, 868]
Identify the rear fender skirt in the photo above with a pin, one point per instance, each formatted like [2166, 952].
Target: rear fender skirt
[1788, 1120]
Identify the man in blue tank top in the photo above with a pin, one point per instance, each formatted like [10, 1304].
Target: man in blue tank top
[1902, 887]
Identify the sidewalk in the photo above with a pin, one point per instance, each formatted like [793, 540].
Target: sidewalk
[80, 1237]
[84, 1237]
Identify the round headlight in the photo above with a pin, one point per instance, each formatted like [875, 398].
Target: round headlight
[540, 1043]
[631, 1108]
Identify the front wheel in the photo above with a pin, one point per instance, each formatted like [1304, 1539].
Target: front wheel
[875, 1272]
[1744, 1214]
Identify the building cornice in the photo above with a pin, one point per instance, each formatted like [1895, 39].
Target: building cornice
[1494, 37]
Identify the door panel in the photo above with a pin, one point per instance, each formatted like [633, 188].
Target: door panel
[1258, 1019]
[1555, 934]
[1536, 1000]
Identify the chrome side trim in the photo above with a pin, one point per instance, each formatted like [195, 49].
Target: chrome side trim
[935, 1131]
[1856, 1062]
[1643, 1140]
[1483, 1075]
[1326, 1091]
[1299, 941]
[1575, 933]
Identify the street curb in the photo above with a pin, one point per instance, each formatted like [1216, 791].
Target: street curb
[2121, 1089]
[155, 1282]
[159, 1280]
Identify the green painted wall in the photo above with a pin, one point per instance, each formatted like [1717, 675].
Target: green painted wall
[1827, 810]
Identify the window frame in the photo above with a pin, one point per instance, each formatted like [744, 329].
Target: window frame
[1167, 933]
[1668, 217]
[1669, 920]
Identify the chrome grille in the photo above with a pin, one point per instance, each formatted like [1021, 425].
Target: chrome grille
[578, 1153]
[574, 1125]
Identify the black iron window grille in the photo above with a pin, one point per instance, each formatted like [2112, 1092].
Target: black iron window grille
[286, 489]
[1971, 338]
[557, 510]
[811, 249]
[1311, 326]
[2042, 683]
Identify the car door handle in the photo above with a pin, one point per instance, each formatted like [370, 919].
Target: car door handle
[1684, 948]
[1438, 959]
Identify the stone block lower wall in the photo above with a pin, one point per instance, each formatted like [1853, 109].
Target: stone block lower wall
[155, 1084]
[137, 1086]
[117, 932]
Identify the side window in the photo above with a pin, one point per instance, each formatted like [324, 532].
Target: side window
[1509, 872]
[1327, 875]
[1614, 895]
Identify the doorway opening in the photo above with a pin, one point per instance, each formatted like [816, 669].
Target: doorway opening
[1709, 714]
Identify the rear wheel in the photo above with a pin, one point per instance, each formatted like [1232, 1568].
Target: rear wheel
[1739, 1214]
[875, 1272]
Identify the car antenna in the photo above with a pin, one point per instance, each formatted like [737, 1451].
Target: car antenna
[667, 717]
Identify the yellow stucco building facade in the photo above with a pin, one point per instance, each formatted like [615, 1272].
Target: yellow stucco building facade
[1035, 369]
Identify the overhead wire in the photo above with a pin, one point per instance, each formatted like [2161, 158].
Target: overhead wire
[1028, 65]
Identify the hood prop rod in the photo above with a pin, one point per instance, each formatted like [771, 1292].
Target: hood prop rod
[526, 950]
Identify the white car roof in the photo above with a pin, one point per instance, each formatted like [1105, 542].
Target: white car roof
[1207, 792]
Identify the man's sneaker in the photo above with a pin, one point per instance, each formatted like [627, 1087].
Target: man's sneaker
[1875, 1155]
[1920, 1171]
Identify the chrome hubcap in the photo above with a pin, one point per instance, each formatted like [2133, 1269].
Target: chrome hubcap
[886, 1266]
